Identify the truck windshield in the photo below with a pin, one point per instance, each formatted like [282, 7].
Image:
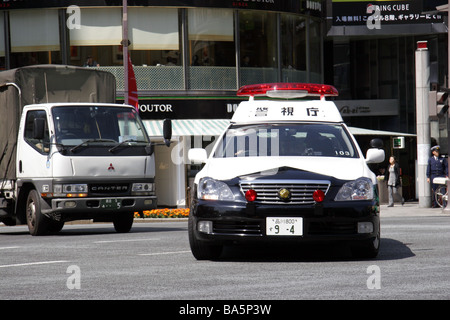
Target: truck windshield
[318, 140]
[106, 124]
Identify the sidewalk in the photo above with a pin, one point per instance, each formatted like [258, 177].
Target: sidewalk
[410, 209]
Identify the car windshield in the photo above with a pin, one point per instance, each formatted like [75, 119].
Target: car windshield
[317, 140]
[103, 124]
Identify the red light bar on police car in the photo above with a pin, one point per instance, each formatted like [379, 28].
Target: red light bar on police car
[287, 90]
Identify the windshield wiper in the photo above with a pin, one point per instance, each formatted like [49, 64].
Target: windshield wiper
[125, 141]
[91, 140]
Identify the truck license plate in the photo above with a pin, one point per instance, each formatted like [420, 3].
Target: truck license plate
[110, 204]
[284, 226]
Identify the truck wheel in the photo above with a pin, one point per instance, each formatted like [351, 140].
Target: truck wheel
[38, 224]
[201, 250]
[56, 226]
[123, 222]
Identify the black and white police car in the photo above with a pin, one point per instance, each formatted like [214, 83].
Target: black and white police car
[285, 169]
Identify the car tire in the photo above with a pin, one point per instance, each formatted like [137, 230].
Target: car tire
[202, 250]
[368, 249]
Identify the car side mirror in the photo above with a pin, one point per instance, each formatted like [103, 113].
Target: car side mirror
[197, 155]
[374, 155]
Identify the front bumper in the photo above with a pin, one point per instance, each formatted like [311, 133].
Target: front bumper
[331, 221]
[67, 209]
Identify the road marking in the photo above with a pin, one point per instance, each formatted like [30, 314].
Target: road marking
[163, 253]
[126, 240]
[7, 248]
[31, 263]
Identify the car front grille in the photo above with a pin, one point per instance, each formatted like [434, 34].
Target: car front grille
[301, 191]
[247, 228]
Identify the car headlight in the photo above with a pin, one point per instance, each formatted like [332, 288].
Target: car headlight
[211, 189]
[359, 189]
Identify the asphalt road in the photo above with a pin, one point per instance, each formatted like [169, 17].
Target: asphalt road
[153, 262]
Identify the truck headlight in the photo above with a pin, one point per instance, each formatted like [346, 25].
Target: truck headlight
[359, 189]
[70, 190]
[143, 189]
[211, 189]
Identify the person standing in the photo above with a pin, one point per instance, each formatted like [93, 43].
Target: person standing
[393, 181]
[437, 167]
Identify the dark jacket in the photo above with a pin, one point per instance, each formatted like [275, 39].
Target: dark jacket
[437, 168]
[397, 174]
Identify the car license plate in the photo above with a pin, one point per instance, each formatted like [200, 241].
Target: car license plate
[110, 204]
[284, 226]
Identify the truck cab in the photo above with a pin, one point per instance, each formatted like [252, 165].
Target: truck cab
[83, 161]
[287, 169]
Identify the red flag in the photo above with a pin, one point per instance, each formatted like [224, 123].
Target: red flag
[132, 86]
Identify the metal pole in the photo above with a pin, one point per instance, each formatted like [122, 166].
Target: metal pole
[447, 208]
[423, 123]
[125, 50]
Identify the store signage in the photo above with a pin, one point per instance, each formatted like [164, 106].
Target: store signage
[313, 7]
[361, 108]
[154, 109]
[363, 13]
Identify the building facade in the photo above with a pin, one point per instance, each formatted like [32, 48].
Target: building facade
[190, 57]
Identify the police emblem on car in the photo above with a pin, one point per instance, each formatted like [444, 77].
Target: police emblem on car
[284, 194]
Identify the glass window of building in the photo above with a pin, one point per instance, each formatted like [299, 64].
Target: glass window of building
[293, 48]
[211, 55]
[97, 41]
[315, 51]
[2, 42]
[155, 49]
[258, 47]
[34, 37]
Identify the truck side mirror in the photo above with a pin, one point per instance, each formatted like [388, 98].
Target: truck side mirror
[167, 131]
[38, 128]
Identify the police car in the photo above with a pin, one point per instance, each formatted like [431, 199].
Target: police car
[285, 170]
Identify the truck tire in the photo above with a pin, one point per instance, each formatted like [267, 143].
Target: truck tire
[123, 222]
[38, 224]
[201, 250]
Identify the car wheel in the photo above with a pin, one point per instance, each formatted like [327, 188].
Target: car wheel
[200, 249]
[368, 249]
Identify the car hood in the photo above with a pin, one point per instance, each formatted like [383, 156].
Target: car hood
[339, 168]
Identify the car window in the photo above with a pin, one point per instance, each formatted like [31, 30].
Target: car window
[317, 140]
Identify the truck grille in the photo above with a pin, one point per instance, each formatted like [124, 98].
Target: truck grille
[301, 191]
[109, 188]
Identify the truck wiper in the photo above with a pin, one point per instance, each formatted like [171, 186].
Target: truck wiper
[91, 140]
[125, 141]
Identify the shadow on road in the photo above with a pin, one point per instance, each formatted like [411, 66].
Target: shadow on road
[390, 249]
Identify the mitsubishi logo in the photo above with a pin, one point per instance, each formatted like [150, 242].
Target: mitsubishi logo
[111, 167]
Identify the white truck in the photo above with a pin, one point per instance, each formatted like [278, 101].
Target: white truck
[68, 152]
